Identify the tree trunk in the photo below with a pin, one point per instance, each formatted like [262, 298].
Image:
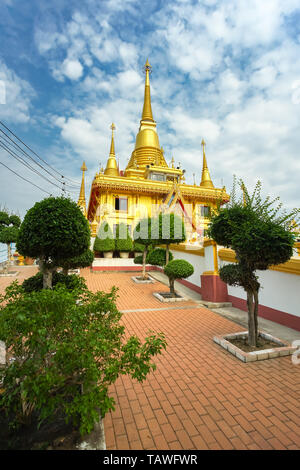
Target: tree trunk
[252, 335]
[172, 290]
[47, 274]
[167, 254]
[256, 313]
[144, 262]
[8, 254]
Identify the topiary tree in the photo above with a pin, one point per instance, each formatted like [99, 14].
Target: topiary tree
[146, 233]
[9, 229]
[70, 281]
[158, 257]
[104, 240]
[171, 230]
[138, 247]
[177, 269]
[123, 241]
[260, 237]
[67, 354]
[53, 230]
[82, 261]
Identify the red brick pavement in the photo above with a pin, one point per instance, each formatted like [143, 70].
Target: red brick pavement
[200, 396]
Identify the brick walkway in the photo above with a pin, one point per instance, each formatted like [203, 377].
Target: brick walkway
[200, 396]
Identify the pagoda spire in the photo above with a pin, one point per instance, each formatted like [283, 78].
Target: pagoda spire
[206, 181]
[147, 110]
[112, 166]
[81, 201]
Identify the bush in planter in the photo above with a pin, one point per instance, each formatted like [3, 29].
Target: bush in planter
[104, 241]
[177, 269]
[260, 236]
[123, 241]
[71, 282]
[60, 364]
[158, 257]
[52, 230]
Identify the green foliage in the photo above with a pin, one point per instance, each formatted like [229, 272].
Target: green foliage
[157, 257]
[15, 220]
[9, 235]
[178, 269]
[123, 241]
[4, 219]
[104, 240]
[67, 353]
[146, 232]
[171, 229]
[82, 261]
[138, 247]
[260, 235]
[52, 230]
[138, 259]
[70, 281]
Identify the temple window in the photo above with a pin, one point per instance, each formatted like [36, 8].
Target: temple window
[157, 176]
[204, 211]
[121, 204]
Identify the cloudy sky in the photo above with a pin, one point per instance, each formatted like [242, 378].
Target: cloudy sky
[226, 71]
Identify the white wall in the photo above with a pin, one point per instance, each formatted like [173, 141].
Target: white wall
[198, 263]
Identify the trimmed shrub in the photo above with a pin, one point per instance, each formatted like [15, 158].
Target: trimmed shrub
[123, 241]
[138, 247]
[178, 269]
[158, 256]
[82, 261]
[104, 239]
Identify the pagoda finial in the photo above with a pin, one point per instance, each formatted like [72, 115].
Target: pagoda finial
[206, 181]
[147, 110]
[111, 166]
[81, 201]
[112, 145]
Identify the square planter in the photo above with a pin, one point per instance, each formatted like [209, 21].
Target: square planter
[283, 349]
[160, 296]
[138, 280]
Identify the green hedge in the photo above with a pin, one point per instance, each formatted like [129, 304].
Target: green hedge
[104, 240]
[123, 241]
[157, 257]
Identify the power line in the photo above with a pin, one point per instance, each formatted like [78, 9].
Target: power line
[22, 177]
[27, 165]
[40, 158]
[13, 144]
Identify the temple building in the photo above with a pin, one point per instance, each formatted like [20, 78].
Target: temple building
[148, 185]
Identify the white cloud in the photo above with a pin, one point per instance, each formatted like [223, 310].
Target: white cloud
[18, 95]
[72, 69]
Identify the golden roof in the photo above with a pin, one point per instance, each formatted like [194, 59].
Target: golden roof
[112, 166]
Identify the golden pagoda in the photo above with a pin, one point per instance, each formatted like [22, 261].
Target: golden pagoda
[148, 185]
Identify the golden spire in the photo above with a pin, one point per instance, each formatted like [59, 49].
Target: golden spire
[112, 166]
[147, 110]
[81, 201]
[206, 181]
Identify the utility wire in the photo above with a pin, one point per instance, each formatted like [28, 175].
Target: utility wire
[22, 177]
[40, 158]
[13, 144]
[27, 165]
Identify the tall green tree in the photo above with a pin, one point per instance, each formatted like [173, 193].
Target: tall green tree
[171, 230]
[146, 233]
[53, 230]
[261, 237]
[9, 229]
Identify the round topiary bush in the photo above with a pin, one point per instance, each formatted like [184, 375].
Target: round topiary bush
[82, 261]
[177, 269]
[158, 257]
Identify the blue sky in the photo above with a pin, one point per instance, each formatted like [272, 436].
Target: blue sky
[228, 72]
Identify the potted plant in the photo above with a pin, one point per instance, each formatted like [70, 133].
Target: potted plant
[158, 257]
[104, 241]
[138, 248]
[123, 241]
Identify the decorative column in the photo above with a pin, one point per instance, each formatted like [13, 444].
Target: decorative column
[213, 288]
